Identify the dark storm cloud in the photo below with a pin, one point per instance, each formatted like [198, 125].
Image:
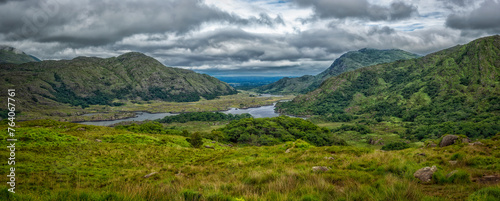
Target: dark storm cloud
[83, 23]
[486, 18]
[358, 9]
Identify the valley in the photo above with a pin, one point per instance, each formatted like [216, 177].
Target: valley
[399, 128]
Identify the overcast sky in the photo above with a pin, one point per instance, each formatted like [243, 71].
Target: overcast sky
[242, 37]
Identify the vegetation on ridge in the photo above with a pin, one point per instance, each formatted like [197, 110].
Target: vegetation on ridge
[85, 81]
[456, 90]
[347, 62]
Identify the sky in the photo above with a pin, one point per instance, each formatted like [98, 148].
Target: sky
[242, 37]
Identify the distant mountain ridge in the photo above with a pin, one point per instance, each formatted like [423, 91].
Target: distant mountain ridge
[12, 55]
[347, 62]
[90, 80]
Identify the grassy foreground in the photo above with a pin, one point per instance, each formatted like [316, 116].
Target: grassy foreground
[63, 161]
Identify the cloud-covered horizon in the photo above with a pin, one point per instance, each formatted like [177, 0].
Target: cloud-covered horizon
[247, 37]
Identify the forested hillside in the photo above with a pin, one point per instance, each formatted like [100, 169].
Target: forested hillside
[456, 90]
[12, 55]
[89, 80]
[347, 62]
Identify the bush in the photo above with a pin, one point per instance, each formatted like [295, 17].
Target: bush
[196, 140]
[485, 194]
[395, 146]
[190, 195]
[459, 177]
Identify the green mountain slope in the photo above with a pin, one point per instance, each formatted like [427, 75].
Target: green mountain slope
[456, 90]
[347, 62]
[89, 80]
[15, 56]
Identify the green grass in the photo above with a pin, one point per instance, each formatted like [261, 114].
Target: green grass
[64, 162]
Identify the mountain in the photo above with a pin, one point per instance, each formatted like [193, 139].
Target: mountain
[90, 80]
[13, 55]
[347, 62]
[456, 90]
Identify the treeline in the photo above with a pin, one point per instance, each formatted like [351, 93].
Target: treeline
[483, 126]
[203, 116]
[272, 131]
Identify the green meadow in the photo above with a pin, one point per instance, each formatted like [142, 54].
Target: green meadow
[69, 161]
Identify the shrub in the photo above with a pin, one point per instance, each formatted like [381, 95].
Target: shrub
[459, 177]
[190, 195]
[485, 194]
[395, 146]
[458, 156]
[196, 140]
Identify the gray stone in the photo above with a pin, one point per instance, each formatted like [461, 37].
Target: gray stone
[425, 174]
[97, 140]
[452, 162]
[320, 168]
[448, 140]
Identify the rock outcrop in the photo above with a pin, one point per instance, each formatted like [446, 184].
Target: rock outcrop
[448, 140]
[425, 174]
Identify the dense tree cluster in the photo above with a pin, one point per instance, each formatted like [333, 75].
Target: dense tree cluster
[203, 116]
[271, 131]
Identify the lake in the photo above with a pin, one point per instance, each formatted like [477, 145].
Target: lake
[256, 112]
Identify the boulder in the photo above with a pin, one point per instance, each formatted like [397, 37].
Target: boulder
[448, 140]
[97, 140]
[209, 147]
[452, 162]
[432, 144]
[80, 129]
[287, 150]
[425, 174]
[320, 168]
[329, 158]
